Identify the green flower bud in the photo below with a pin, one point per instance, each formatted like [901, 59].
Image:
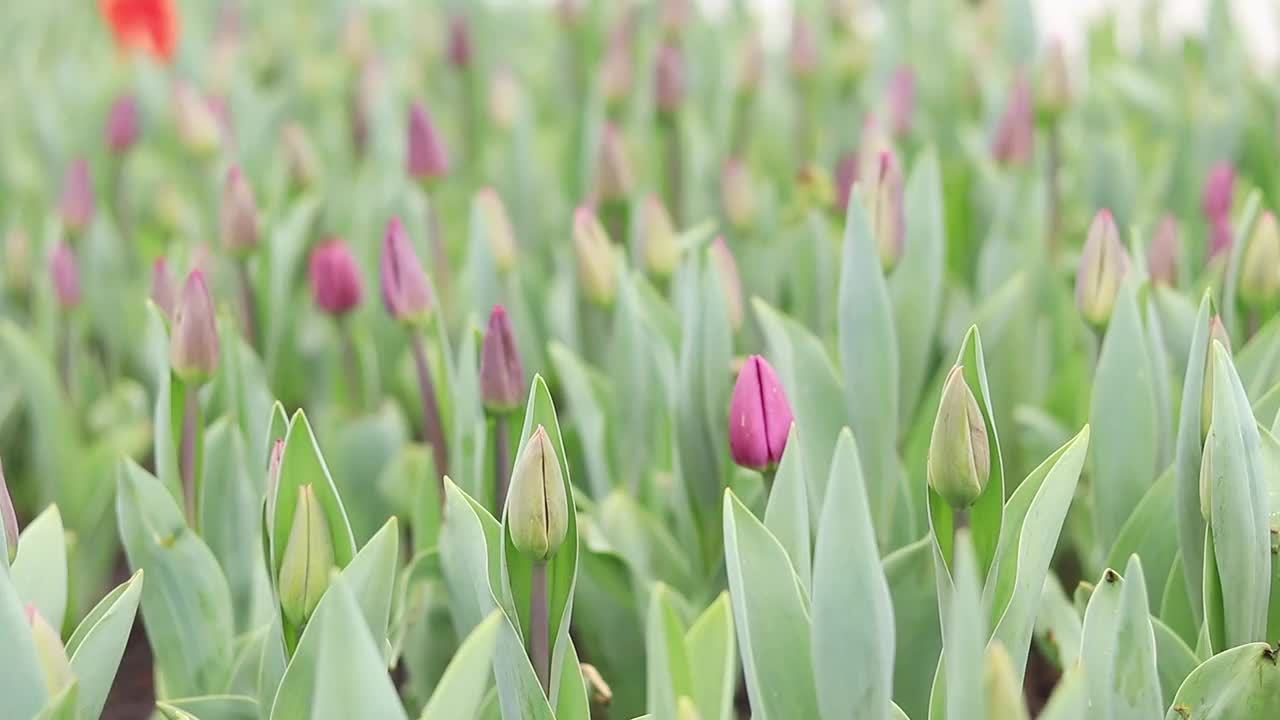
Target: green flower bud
[597, 272]
[308, 558]
[50, 654]
[959, 457]
[537, 509]
[1218, 334]
[1003, 692]
[1103, 263]
[1260, 266]
[659, 248]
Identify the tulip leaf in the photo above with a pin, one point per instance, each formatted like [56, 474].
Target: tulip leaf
[1118, 648]
[667, 665]
[469, 542]
[210, 707]
[572, 702]
[39, 572]
[1174, 660]
[1175, 606]
[770, 618]
[648, 546]
[1241, 231]
[910, 573]
[351, 678]
[1243, 682]
[21, 684]
[303, 464]
[1068, 701]
[589, 416]
[1186, 465]
[98, 644]
[960, 674]
[852, 636]
[713, 660]
[1259, 360]
[462, 687]
[1146, 534]
[787, 513]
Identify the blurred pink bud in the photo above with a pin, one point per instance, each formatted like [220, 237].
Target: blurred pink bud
[750, 63]
[802, 52]
[1215, 200]
[122, 123]
[1221, 235]
[497, 228]
[1054, 92]
[362, 100]
[335, 278]
[570, 12]
[1014, 136]
[1103, 264]
[193, 341]
[846, 176]
[198, 127]
[65, 274]
[737, 196]
[730, 282]
[501, 374]
[300, 156]
[163, 293]
[670, 78]
[613, 165]
[615, 69]
[77, 196]
[759, 416]
[597, 266]
[901, 100]
[675, 16]
[1162, 256]
[459, 41]
[888, 219]
[237, 215]
[427, 158]
[404, 284]
[356, 36]
[8, 519]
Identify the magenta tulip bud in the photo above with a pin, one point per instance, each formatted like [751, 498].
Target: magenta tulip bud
[802, 52]
[669, 78]
[1162, 256]
[163, 293]
[122, 124]
[901, 100]
[8, 519]
[759, 417]
[237, 215]
[335, 279]
[77, 196]
[730, 282]
[1221, 235]
[65, 274]
[888, 218]
[1103, 264]
[1012, 142]
[1215, 200]
[427, 157]
[846, 176]
[193, 341]
[501, 374]
[613, 166]
[459, 42]
[404, 284]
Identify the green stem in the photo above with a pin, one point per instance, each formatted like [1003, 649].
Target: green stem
[501, 462]
[187, 450]
[539, 634]
[674, 168]
[248, 304]
[432, 431]
[351, 364]
[1055, 191]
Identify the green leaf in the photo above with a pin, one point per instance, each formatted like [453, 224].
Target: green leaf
[1175, 606]
[1068, 701]
[351, 678]
[852, 636]
[1118, 648]
[39, 572]
[469, 542]
[910, 574]
[787, 513]
[770, 618]
[589, 416]
[669, 671]
[210, 707]
[1186, 465]
[303, 464]
[966, 640]
[21, 684]
[1058, 625]
[1174, 660]
[462, 688]
[1146, 534]
[713, 660]
[572, 701]
[1243, 682]
[98, 644]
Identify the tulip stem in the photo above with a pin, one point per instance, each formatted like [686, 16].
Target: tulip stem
[187, 450]
[741, 125]
[65, 356]
[1055, 200]
[501, 461]
[539, 635]
[674, 168]
[351, 364]
[431, 429]
[248, 303]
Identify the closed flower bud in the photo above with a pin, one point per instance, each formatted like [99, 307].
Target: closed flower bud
[51, 656]
[459, 42]
[163, 293]
[426, 157]
[1001, 687]
[959, 456]
[1217, 336]
[1054, 91]
[675, 16]
[888, 219]
[730, 283]
[307, 560]
[659, 248]
[615, 68]
[497, 228]
[501, 374]
[335, 278]
[1162, 256]
[77, 196]
[537, 507]
[737, 194]
[846, 176]
[1260, 267]
[802, 50]
[193, 341]
[1012, 142]
[198, 128]
[759, 416]
[122, 124]
[873, 140]
[504, 98]
[65, 275]
[613, 166]
[404, 284]
[1219, 186]
[17, 259]
[300, 157]
[1103, 263]
[669, 78]
[237, 215]
[274, 460]
[8, 519]
[901, 100]
[750, 64]
[597, 271]
[1221, 235]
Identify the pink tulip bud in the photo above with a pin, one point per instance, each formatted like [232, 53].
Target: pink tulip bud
[1162, 256]
[427, 158]
[77, 196]
[335, 279]
[459, 42]
[404, 284]
[501, 374]
[802, 53]
[1012, 142]
[759, 417]
[198, 127]
[1221, 235]
[888, 218]
[901, 100]
[659, 247]
[675, 16]
[193, 341]
[163, 293]
[846, 176]
[615, 69]
[8, 519]
[669, 78]
[237, 215]
[597, 266]
[730, 283]
[1103, 264]
[122, 124]
[1215, 200]
[65, 274]
[613, 165]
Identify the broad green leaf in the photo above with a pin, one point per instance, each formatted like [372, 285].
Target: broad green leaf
[713, 660]
[667, 659]
[1259, 361]
[303, 464]
[469, 542]
[1242, 230]
[39, 572]
[1069, 699]
[65, 706]
[210, 707]
[1241, 683]
[966, 640]
[98, 644]
[1058, 625]
[1175, 606]
[462, 688]
[21, 684]
[852, 637]
[1118, 648]
[589, 416]
[572, 702]
[1186, 464]
[1174, 660]
[770, 618]
[910, 574]
[787, 512]
[1146, 534]
[351, 678]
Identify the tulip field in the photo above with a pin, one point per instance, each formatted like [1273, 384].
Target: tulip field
[622, 359]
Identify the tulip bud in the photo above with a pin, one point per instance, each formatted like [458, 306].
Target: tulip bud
[1055, 82]
[802, 51]
[902, 100]
[750, 64]
[1221, 235]
[193, 341]
[1260, 267]
[1217, 336]
[163, 294]
[759, 416]
[65, 274]
[659, 248]
[77, 197]
[237, 215]
[686, 710]
[8, 519]
[846, 176]
[17, 259]
[504, 98]
[674, 16]
[404, 284]
[1103, 263]
[307, 560]
[300, 157]
[501, 374]
[1014, 135]
[335, 278]
[959, 462]
[669, 78]
[497, 226]
[1206, 478]
[737, 196]
[613, 166]
[727, 271]
[459, 42]
[813, 186]
[426, 157]
[1215, 199]
[198, 128]
[274, 461]
[1162, 256]
[888, 219]
[1001, 687]
[615, 70]
[51, 656]
[122, 124]
[362, 100]
[537, 508]
[873, 140]
[596, 269]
